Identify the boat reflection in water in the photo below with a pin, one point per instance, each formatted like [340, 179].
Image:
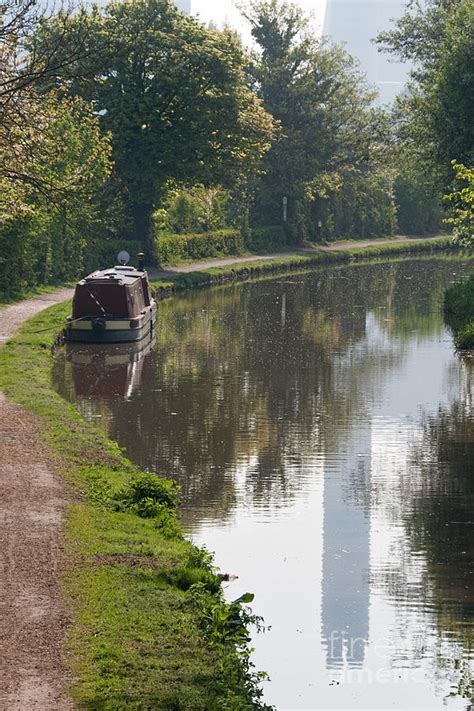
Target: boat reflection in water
[108, 372]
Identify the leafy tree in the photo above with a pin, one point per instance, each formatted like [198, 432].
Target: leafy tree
[24, 121]
[435, 116]
[331, 136]
[191, 210]
[53, 179]
[174, 95]
[462, 205]
[451, 95]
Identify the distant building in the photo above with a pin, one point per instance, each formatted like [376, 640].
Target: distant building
[183, 5]
[355, 23]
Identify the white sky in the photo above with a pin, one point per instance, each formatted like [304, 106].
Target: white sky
[221, 11]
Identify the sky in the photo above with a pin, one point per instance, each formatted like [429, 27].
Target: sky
[221, 11]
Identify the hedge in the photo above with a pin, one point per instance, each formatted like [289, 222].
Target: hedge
[172, 248]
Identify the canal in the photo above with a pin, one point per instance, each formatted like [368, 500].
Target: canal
[321, 427]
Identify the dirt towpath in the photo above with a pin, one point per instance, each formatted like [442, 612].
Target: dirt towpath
[33, 617]
[14, 316]
[33, 500]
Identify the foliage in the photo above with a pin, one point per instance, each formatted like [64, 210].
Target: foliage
[265, 238]
[146, 494]
[174, 96]
[328, 162]
[195, 209]
[173, 248]
[29, 146]
[459, 312]
[465, 337]
[47, 214]
[419, 207]
[462, 205]
[226, 626]
[434, 118]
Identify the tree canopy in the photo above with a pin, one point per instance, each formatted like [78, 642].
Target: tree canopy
[174, 96]
[333, 139]
[435, 116]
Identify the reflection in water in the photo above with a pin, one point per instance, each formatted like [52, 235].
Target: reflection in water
[441, 520]
[320, 426]
[346, 537]
[108, 372]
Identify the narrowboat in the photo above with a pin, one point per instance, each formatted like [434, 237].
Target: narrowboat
[112, 306]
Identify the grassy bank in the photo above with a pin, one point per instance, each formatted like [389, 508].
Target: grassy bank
[151, 628]
[459, 312]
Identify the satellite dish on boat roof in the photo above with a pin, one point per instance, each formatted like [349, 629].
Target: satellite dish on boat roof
[123, 258]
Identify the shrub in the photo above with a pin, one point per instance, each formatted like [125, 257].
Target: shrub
[193, 210]
[459, 301]
[148, 495]
[459, 312]
[265, 238]
[465, 338]
[175, 248]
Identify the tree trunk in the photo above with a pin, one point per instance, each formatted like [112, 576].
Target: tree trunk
[142, 214]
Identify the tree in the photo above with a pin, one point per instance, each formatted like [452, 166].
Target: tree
[462, 205]
[53, 178]
[330, 134]
[435, 117]
[174, 96]
[28, 147]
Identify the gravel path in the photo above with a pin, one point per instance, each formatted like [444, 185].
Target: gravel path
[33, 618]
[12, 317]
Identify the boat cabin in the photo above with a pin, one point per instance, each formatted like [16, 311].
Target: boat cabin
[121, 292]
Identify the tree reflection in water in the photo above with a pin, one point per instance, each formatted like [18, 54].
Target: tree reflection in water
[441, 520]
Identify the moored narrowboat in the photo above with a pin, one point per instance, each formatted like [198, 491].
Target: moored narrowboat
[112, 306]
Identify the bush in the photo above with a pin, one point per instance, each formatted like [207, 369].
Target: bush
[265, 238]
[172, 248]
[465, 338]
[459, 301]
[459, 312]
[148, 495]
[419, 208]
[193, 210]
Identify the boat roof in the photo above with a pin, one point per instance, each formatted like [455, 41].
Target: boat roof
[118, 274]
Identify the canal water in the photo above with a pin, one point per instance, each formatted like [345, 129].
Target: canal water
[321, 428]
